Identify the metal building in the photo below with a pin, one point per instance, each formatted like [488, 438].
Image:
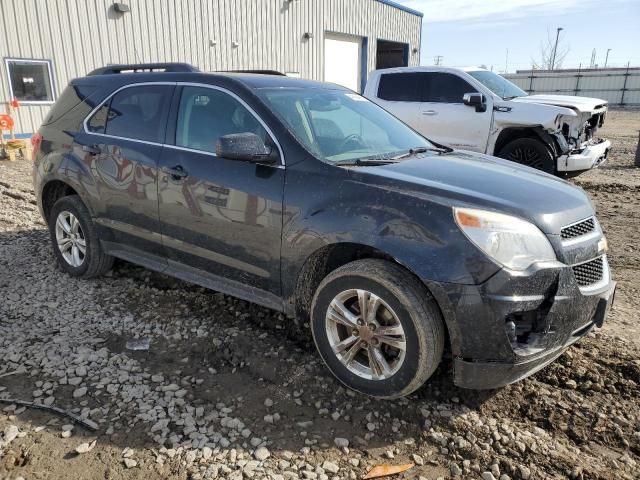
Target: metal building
[45, 43]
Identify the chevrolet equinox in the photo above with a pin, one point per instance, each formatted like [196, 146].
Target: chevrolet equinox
[309, 199]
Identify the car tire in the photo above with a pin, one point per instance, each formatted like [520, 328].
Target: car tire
[530, 152]
[75, 241]
[400, 342]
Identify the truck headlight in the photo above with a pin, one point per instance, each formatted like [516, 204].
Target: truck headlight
[510, 241]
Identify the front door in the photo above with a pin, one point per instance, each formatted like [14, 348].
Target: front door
[221, 219]
[447, 120]
[122, 146]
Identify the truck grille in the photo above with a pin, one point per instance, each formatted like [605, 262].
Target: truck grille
[589, 272]
[578, 229]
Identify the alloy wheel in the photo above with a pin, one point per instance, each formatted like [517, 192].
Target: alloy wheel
[70, 239]
[365, 334]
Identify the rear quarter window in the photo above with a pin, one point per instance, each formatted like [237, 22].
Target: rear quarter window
[71, 97]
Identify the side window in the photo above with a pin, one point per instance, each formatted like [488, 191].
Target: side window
[206, 114]
[447, 88]
[98, 122]
[139, 112]
[400, 87]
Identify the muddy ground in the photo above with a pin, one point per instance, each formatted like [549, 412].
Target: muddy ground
[231, 390]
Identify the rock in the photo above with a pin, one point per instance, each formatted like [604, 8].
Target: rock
[129, 462]
[455, 469]
[525, 473]
[417, 459]
[330, 467]
[268, 402]
[341, 442]
[79, 392]
[261, 454]
[85, 447]
[488, 476]
[9, 435]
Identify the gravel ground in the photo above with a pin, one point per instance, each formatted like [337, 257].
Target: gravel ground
[231, 390]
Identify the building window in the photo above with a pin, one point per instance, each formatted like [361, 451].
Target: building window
[30, 81]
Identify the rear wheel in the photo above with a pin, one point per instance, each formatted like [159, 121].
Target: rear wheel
[377, 328]
[75, 241]
[530, 152]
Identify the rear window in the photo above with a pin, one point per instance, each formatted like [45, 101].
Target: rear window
[72, 96]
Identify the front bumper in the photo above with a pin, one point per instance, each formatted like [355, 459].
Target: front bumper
[545, 304]
[590, 156]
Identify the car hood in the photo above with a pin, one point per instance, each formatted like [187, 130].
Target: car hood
[480, 181]
[581, 104]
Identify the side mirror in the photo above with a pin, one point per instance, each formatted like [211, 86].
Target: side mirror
[476, 100]
[246, 146]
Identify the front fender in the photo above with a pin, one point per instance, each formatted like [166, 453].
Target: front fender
[417, 233]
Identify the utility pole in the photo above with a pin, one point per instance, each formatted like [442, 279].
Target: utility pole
[555, 48]
[593, 58]
[506, 62]
[437, 60]
[606, 58]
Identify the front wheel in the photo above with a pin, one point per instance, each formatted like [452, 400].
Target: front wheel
[530, 152]
[377, 328]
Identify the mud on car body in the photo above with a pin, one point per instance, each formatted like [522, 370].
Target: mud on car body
[309, 199]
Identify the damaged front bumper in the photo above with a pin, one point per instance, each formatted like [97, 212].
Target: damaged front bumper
[516, 323]
[589, 155]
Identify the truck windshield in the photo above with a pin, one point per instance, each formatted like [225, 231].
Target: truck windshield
[341, 126]
[498, 84]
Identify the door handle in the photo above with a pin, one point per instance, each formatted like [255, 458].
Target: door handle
[429, 112]
[91, 149]
[177, 172]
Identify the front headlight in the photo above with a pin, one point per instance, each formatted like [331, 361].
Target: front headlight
[510, 241]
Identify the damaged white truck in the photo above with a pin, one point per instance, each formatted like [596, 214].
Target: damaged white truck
[478, 110]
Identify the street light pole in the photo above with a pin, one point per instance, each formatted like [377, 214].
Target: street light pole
[555, 49]
[606, 58]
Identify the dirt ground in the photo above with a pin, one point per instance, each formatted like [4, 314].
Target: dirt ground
[231, 390]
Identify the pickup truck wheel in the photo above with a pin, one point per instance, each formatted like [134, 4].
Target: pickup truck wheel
[530, 152]
[377, 328]
[75, 242]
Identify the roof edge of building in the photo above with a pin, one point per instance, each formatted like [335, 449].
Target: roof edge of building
[399, 6]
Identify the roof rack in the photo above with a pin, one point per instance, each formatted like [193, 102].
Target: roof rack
[261, 72]
[144, 67]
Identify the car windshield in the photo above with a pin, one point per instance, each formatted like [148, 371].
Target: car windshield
[341, 126]
[498, 84]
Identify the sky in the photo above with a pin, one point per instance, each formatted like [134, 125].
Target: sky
[479, 32]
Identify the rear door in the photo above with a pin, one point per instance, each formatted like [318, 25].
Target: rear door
[122, 145]
[446, 119]
[221, 218]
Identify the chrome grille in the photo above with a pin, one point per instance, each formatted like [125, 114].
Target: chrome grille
[578, 229]
[589, 272]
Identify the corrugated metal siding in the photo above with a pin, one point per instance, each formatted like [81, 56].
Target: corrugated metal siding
[80, 35]
[607, 84]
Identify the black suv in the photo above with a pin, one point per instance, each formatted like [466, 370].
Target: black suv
[308, 199]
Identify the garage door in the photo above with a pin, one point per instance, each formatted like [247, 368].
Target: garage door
[342, 60]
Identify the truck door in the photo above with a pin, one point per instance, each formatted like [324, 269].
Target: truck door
[444, 118]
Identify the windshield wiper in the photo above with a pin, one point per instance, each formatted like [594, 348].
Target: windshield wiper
[365, 162]
[414, 151]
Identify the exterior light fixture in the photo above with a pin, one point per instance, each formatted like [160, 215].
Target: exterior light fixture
[307, 35]
[121, 7]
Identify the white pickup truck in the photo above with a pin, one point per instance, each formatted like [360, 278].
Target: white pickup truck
[476, 109]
